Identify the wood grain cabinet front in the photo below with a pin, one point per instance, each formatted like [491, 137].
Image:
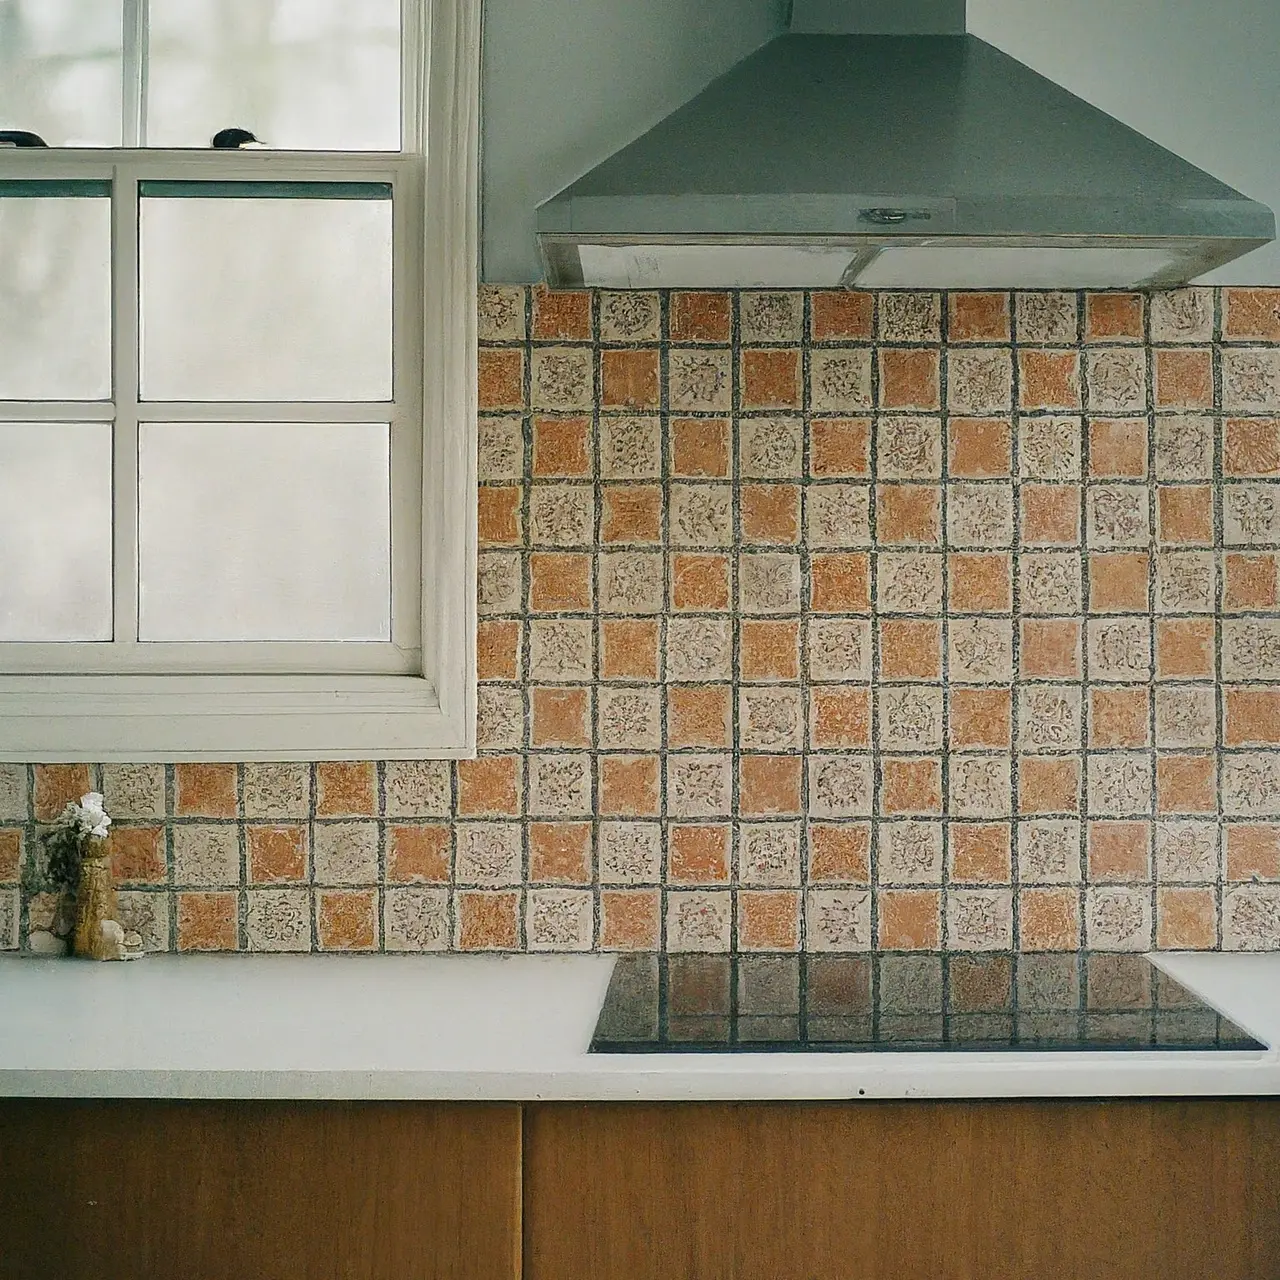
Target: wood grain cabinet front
[259, 1191]
[1124, 1190]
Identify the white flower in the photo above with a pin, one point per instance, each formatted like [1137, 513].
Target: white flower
[88, 818]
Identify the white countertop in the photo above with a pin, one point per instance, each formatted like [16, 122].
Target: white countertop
[515, 1028]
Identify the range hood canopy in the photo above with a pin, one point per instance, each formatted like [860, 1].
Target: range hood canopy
[838, 154]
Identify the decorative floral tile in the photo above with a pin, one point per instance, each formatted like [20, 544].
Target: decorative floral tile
[822, 620]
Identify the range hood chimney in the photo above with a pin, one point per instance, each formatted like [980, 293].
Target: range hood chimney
[878, 145]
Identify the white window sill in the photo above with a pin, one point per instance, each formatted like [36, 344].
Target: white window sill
[177, 718]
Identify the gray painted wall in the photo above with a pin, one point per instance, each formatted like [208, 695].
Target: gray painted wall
[567, 82]
[1202, 79]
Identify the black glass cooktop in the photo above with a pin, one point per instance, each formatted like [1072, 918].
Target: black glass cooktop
[896, 1002]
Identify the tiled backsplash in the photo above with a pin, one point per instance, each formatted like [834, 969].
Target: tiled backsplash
[808, 620]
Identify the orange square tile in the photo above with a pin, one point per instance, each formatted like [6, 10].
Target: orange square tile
[840, 853]
[770, 379]
[418, 854]
[1184, 649]
[1186, 784]
[700, 446]
[632, 513]
[908, 513]
[840, 582]
[1251, 582]
[1048, 784]
[908, 379]
[769, 920]
[561, 446]
[1051, 514]
[1186, 919]
[978, 317]
[839, 447]
[911, 786]
[1252, 313]
[1119, 851]
[560, 717]
[910, 650]
[498, 650]
[59, 784]
[1251, 447]
[1108, 316]
[629, 784]
[769, 784]
[910, 919]
[207, 922]
[980, 852]
[1119, 717]
[1253, 852]
[346, 788]
[1050, 649]
[560, 582]
[1185, 514]
[347, 919]
[1117, 447]
[10, 854]
[487, 784]
[770, 513]
[562, 313]
[1118, 581]
[841, 716]
[137, 855]
[560, 852]
[1049, 379]
[629, 919]
[979, 582]
[1253, 716]
[769, 650]
[698, 855]
[700, 317]
[1049, 920]
[278, 854]
[628, 649]
[840, 314]
[979, 447]
[498, 515]
[1184, 378]
[629, 379]
[980, 718]
[700, 582]
[487, 921]
[698, 715]
[201, 790]
[500, 379]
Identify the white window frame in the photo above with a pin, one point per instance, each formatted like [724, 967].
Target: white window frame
[286, 706]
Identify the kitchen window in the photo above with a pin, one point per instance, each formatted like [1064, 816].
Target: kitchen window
[237, 384]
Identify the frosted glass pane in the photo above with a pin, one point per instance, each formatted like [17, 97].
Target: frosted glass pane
[60, 70]
[301, 74]
[55, 296]
[266, 299]
[264, 531]
[55, 531]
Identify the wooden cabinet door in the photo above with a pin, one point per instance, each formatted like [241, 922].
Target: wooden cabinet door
[258, 1191]
[1126, 1190]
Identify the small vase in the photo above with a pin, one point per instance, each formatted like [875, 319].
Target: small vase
[95, 903]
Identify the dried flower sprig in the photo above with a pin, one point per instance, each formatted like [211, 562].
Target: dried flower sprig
[66, 839]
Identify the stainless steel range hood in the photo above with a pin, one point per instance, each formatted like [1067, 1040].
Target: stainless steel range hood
[836, 157]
